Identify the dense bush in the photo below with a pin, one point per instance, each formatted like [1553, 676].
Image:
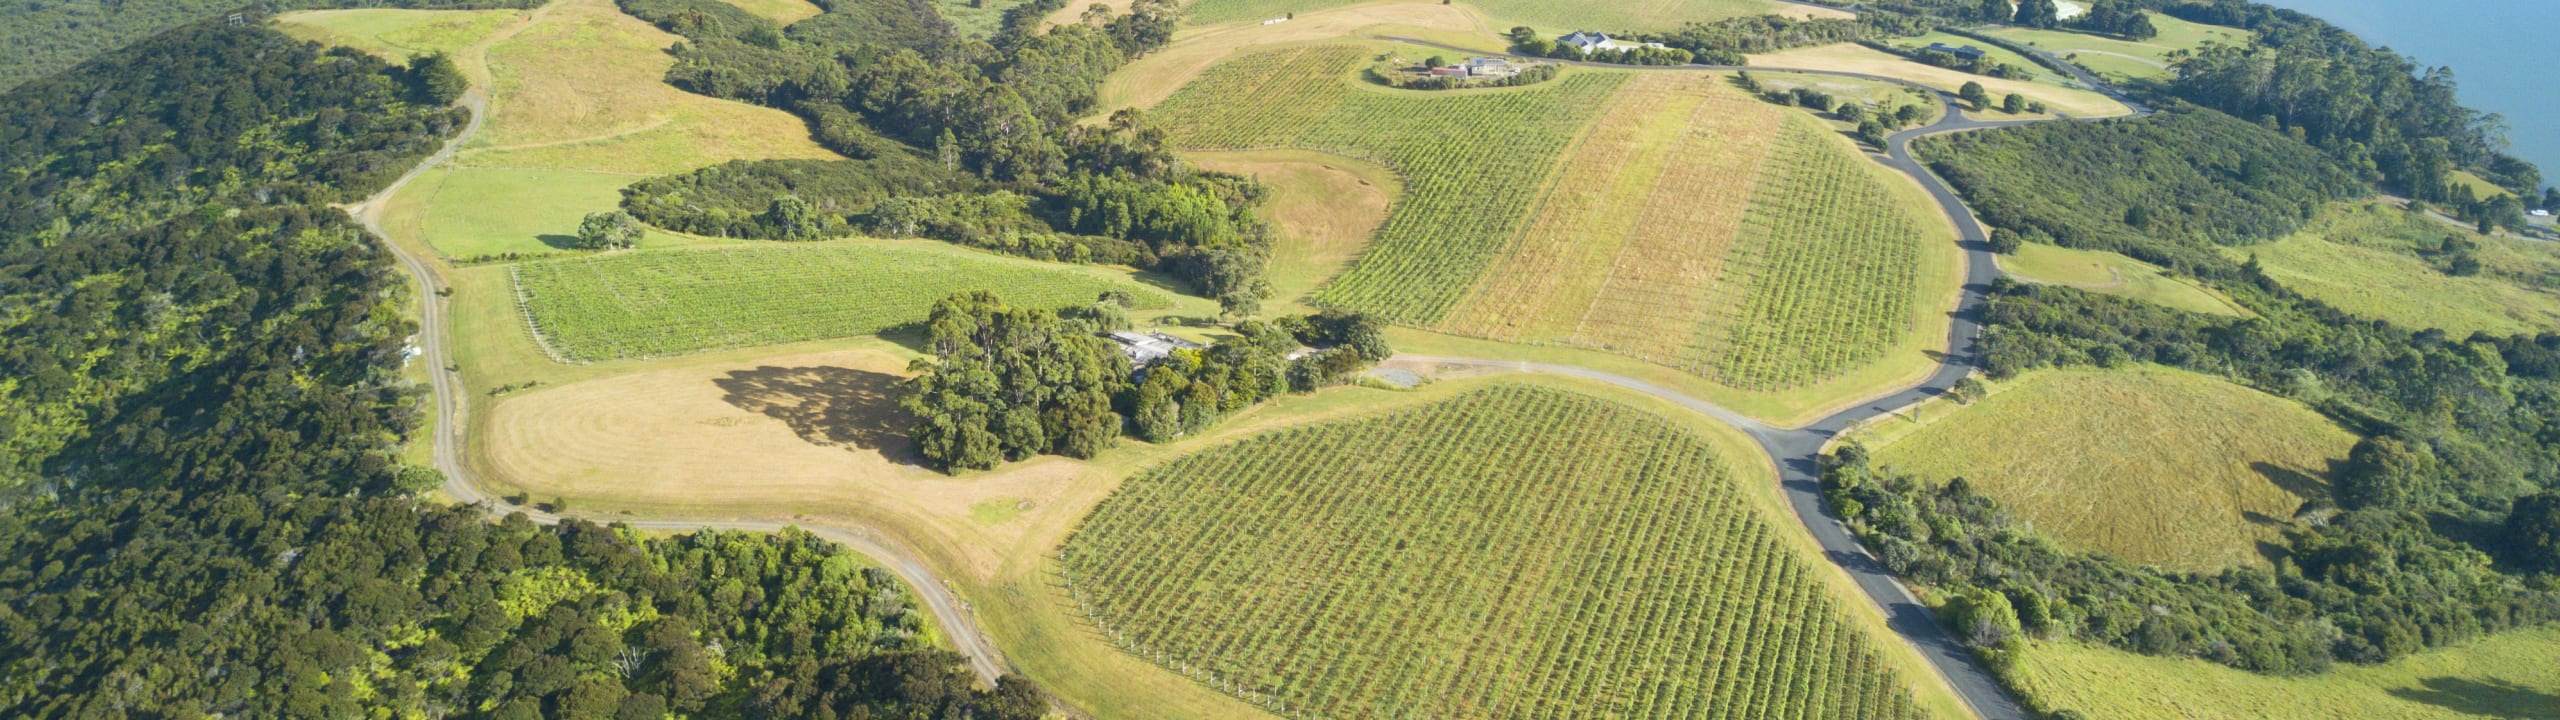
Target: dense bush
[2162, 188]
[2379, 112]
[43, 37]
[203, 113]
[207, 516]
[336, 607]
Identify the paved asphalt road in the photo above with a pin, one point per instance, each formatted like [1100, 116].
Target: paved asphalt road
[1793, 450]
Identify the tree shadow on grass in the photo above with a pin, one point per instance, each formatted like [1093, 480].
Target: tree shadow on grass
[2493, 698]
[2302, 484]
[559, 242]
[831, 406]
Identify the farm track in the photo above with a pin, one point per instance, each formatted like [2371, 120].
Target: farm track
[958, 626]
[1794, 451]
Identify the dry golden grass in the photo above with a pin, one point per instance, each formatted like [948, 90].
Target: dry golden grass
[1151, 79]
[1655, 303]
[1848, 57]
[1561, 255]
[1326, 207]
[583, 88]
[2155, 465]
[795, 430]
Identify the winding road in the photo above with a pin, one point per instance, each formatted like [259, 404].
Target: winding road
[958, 625]
[1794, 451]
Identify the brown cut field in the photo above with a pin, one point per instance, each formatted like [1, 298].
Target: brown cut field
[1849, 57]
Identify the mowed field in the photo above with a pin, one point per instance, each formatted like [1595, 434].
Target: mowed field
[2120, 59]
[401, 35]
[2509, 675]
[1514, 551]
[1658, 216]
[1613, 17]
[1851, 57]
[2109, 273]
[2154, 465]
[649, 304]
[2371, 260]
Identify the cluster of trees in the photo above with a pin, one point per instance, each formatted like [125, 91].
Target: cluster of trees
[2372, 109]
[207, 112]
[1875, 124]
[2163, 188]
[1191, 389]
[1005, 383]
[2119, 18]
[969, 141]
[1724, 42]
[206, 513]
[742, 198]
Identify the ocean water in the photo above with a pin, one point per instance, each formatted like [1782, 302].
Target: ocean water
[2503, 52]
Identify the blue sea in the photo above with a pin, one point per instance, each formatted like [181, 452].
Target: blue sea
[2504, 53]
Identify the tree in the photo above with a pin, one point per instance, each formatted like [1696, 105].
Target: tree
[1966, 391]
[2013, 104]
[2551, 199]
[1974, 95]
[1909, 114]
[609, 229]
[793, 219]
[1994, 11]
[1852, 113]
[1005, 383]
[2038, 14]
[2533, 531]
[1982, 618]
[1435, 61]
[2383, 472]
[436, 79]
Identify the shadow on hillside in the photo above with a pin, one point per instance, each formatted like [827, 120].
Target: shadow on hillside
[832, 406]
[2487, 699]
[2303, 485]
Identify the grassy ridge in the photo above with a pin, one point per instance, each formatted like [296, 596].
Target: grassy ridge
[2109, 273]
[2153, 465]
[644, 304]
[1469, 160]
[2377, 261]
[2510, 675]
[1512, 552]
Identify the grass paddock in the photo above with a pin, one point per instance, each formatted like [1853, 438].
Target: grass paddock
[2154, 465]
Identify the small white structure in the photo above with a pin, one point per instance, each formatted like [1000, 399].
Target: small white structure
[1490, 67]
[1587, 41]
[1275, 21]
[1146, 348]
[2540, 213]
